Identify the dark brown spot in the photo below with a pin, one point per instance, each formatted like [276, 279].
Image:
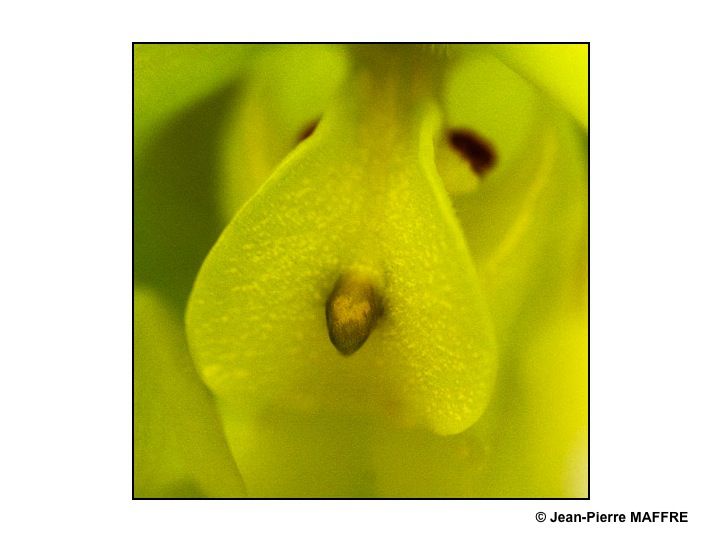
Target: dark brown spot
[477, 151]
[308, 130]
[351, 311]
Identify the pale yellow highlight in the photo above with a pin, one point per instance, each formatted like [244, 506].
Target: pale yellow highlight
[521, 225]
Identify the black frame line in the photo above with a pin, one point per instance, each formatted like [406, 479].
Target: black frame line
[132, 81]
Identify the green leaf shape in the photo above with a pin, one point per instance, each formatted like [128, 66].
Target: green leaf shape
[362, 194]
[560, 70]
[286, 90]
[179, 447]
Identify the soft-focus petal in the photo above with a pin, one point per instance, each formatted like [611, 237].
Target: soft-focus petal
[179, 446]
[561, 70]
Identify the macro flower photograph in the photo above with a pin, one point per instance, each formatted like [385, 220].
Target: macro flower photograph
[360, 270]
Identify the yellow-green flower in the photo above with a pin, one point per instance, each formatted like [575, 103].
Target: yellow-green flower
[381, 251]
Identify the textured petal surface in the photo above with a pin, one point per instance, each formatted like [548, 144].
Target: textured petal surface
[362, 193]
[285, 92]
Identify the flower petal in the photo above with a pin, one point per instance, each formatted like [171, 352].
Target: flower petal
[285, 91]
[179, 446]
[561, 70]
[362, 196]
